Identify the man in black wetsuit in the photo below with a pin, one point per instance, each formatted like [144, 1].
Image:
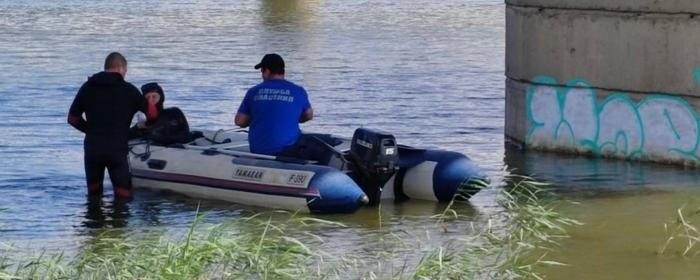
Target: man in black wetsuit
[109, 104]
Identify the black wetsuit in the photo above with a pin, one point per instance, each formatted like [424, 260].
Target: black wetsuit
[163, 126]
[109, 104]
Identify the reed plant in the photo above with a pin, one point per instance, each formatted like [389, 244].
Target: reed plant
[282, 245]
[512, 244]
[683, 236]
[255, 247]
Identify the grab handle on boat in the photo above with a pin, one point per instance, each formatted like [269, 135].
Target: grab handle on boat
[157, 164]
[210, 152]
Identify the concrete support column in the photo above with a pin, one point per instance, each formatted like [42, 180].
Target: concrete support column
[615, 78]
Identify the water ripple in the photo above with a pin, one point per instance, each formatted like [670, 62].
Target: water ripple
[429, 71]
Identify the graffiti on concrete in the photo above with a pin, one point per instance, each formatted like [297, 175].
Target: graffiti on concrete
[571, 117]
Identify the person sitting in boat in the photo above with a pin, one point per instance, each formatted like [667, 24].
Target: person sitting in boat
[161, 125]
[273, 109]
[154, 98]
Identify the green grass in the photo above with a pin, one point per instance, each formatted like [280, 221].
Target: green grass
[264, 250]
[511, 245]
[282, 245]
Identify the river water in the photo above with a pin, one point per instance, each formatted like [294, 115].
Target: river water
[431, 72]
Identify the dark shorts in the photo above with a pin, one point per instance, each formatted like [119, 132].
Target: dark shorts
[117, 165]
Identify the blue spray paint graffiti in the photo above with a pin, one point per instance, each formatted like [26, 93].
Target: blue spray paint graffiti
[696, 75]
[659, 127]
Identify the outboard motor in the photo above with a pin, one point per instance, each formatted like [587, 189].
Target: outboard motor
[375, 158]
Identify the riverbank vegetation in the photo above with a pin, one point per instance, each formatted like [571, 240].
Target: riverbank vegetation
[683, 237]
[509, 244]
[512, 244]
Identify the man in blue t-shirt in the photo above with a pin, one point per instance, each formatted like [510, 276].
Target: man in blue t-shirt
[273, 109]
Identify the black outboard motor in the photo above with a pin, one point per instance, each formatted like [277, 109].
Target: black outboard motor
[375, 157]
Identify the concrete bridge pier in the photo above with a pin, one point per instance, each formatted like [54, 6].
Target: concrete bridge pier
[613, 78]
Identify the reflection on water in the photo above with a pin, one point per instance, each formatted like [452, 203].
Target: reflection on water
[112, 215]
[579, 175]
[286, 15]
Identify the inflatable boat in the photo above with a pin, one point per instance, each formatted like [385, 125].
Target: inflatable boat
[327, 174]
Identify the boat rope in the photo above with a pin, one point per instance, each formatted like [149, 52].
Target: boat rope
[148, 148]
[216, 134]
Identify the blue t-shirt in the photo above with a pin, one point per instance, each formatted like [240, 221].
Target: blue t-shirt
[274, 107]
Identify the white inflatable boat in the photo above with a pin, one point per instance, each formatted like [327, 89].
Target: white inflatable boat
[330, 174]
